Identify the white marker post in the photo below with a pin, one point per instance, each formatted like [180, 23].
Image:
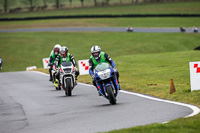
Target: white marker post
[83, 67]
[31, 68]
[195, 75]
[45, 63]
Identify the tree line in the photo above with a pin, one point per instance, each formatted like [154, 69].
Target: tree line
[31, 5]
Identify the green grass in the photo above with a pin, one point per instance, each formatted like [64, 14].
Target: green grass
[141, 58]
[189, 125]
[36, 46]
[161, 8]
[107, 22]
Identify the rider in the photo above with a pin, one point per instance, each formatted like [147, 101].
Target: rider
[54, 56]
[67, 57]
[98, 57]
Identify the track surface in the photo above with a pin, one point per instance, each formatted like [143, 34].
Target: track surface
[29, 103]
[106, 29]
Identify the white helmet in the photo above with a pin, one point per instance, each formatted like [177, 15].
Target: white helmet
[96, 52]
[56, 49]
[64, 51]
[57, 46]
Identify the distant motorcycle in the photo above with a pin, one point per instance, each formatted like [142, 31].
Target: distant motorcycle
[129, 29]
[67, 77]
[107, 82]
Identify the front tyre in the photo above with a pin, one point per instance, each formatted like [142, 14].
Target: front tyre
[111, 95]
[68, 86]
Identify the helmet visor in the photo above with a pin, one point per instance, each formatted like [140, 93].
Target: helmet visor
[96, 55]
[56, 53]
[62, 52]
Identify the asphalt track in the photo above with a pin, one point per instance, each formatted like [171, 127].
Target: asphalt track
[29, 103]
[99, 29]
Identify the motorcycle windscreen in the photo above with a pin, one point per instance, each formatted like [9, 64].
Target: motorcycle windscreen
[102, 66]
[66, 64]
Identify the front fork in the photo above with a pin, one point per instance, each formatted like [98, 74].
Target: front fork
[102, 86]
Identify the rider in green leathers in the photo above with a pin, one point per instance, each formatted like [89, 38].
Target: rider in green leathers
[55, 57]
[67, 57]
[98, 57]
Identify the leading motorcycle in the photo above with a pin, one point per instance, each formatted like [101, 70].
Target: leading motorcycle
[106, 81]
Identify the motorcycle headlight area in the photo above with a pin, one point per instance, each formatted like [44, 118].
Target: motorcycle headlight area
[104, 74]
[67, 70]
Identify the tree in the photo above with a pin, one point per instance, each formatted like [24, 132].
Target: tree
[82, 3]
[95, 2]
[120, 2]
[70, 1]
[107, 2]
[30, 3]
[5, 5]
[57, 4]
[45, 3]
[134, 1]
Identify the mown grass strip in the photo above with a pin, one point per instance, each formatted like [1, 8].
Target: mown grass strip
[106, 22]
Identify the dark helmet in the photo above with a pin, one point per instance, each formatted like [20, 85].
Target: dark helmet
[56, 49]
[64, 51]
[96, 52]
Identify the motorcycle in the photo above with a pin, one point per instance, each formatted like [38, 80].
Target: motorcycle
[106, 81]
[67, 77]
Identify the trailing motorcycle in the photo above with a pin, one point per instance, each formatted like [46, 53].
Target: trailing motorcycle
[67, 77]
[106, 81]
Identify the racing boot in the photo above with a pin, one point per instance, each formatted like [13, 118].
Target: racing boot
[50, 75]
[120, 87]
[99, 92]
[76, 74]
[50, 79]
[75, 80]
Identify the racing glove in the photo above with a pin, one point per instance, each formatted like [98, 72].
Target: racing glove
[93, 76]
[115, 70]
[50, 64]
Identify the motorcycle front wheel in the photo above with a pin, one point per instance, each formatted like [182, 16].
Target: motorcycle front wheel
[68, 86]
[111, 95]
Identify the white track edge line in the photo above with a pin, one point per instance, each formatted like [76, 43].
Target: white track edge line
[195, 109]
